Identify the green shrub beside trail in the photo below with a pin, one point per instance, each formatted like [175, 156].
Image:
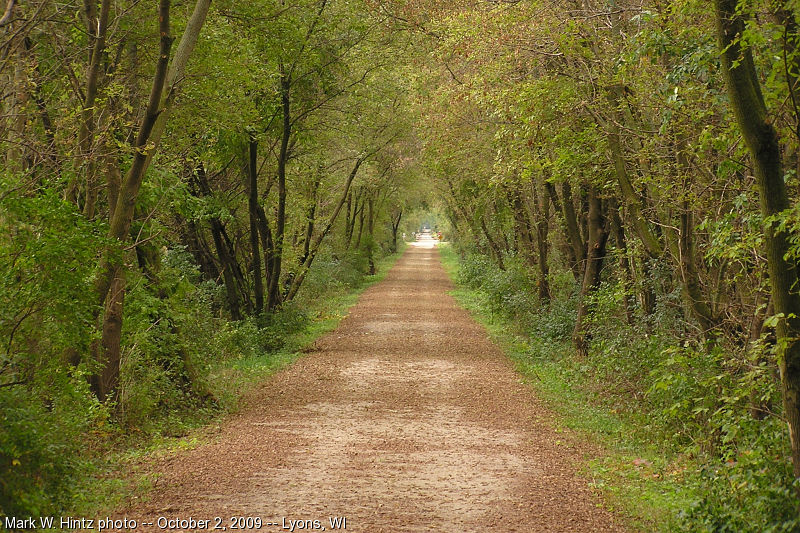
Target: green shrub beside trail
[184, 364]
[684, 452]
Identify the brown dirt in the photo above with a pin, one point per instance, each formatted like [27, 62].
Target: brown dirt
[406, 418]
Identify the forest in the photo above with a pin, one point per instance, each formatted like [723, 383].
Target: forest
[186, 186]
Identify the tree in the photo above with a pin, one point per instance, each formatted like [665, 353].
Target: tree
[751, 114]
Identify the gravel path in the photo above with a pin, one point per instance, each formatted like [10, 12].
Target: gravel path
[404, 419]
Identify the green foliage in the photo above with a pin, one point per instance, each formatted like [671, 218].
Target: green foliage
[701, 402]
[753, 492]
[43, 440]
[334, 273]
[182, 364]
[47, 411]
[174, 339]
[45, 260]
[506, 99]
[512, 293]
[682, 404]
[182, 360]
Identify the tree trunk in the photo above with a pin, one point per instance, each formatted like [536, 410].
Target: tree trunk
[120, 223]
[371, 234]
[223, 252]
[522, 228]
[310, 216]
[618, 230]
[105, 385]
[571, 227]
[266, 242]
[175, 74]
[542, 245]
[351, 223]
[692, 290]
[503, 237]
[396, 218]
[761, 139]
[598, 236]
[109, 351]
[459, 209]
[565, 244]
[150, 130]
[252, 197]
[121, 216]
[86, 133]
[629, 195]
[274, 295]
[197, 246]
[348, 232]
[361, 214]
[238, 273]
[498, 255]
[633, 202]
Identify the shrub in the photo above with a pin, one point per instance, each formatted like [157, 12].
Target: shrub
[43, 438]
[46, 258]
[754, 491]
[690, 398]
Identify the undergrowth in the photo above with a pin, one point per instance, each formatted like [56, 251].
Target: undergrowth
[684, 452]
[185, 365]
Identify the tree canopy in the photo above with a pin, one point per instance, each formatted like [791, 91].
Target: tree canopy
[180, 182]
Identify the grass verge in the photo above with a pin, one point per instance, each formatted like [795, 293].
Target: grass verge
[636, 478]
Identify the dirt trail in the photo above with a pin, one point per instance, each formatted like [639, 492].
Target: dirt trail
[404, 419]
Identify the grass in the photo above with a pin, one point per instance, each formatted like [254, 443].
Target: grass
[124, 474]
[635, 477]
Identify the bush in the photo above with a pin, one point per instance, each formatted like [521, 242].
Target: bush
[513, 293]
[752, 492]
[43, 438]
[336, 272]
[556, 322]
[690, 398]
[46, 258]
[168, 329]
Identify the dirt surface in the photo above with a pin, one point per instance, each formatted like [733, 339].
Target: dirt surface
[404, 419]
